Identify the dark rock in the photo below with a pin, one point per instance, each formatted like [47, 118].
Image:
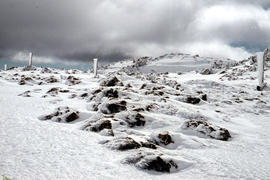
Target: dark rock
[131, 144]
[53, 91]
[135, 119]
[72, 117]
[28, 79]
[158, 164]
[125, 143]
[111, 82]
[22, 82]
[128, 86]
[206, 71]
[165, 138]
[62, 113]
[73, 96]
[139, 120]
[95, 107]
[46, 70]
[207, 129]
[105, 124]
[97, 91]
[143, 86]
[138, 109]
[148, 145]
[111, 93]
[193, 100]
[48, 117]
[149, 107]
[71, 80]
[64, 91]
[84, 95]
[204, 97]
[158, 88]
[224, 134]
[25, 94]
[259, 88]
[51, 79]
[124, 103]
[116, 107]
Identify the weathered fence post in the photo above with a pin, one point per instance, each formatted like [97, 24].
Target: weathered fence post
[261, 57]
[95, 63]
[5, 67]
[30, 58]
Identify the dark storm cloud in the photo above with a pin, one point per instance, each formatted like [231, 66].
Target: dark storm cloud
[114, 29]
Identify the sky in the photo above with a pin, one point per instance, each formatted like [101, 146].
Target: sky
[69, 31]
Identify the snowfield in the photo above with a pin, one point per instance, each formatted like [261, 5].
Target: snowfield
[175, 116]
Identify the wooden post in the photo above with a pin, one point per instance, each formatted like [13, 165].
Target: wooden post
[5, 67]
[95, 63]
[260, 62]
[30, 58]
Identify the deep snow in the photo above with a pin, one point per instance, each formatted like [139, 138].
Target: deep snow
[36, 149]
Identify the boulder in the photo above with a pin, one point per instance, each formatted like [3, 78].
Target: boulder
[72, 117]
[165, 138]
[123, 144]
[192, 100]
[207, 129]
[111, 93]
[111, 82]
[114, 107]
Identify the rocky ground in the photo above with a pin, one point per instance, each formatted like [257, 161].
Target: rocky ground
[157, 112]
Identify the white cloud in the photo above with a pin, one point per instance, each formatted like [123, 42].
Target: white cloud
[216, 49]
[23, 56]
[83, 29]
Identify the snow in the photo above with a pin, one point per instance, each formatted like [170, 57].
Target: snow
[35, 148]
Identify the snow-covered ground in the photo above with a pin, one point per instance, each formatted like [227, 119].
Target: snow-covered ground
[204, 119]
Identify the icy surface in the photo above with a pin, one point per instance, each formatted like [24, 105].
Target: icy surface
[148, 110]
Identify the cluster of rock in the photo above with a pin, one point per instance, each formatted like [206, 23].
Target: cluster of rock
[118, 110]
[62, 114]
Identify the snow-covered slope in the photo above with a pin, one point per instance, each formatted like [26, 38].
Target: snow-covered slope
[174, 116]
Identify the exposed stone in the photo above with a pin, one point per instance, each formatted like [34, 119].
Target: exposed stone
[51, 79]
[138, 109]
[71, 80]
[207, 129]
[204, 97]
[62, 113]
[143, 86]
[84, 95]
[111, 93]
[25, 94]
[112, 82]
[192, 100]
[53, 91]
[115, 107]
[149, 107]
[158, 164]
[72, 117]
[148, 145]
[64, 91]
[123, 144]
[22, 82]
[104, 124]
[139, 120]
[165, 138]
[206, 71]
